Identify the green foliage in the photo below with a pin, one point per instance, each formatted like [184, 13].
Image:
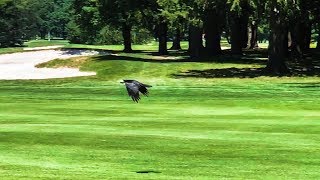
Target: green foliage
[235, 5]
[60, 18]
[74, 33]
[109, 35]
[17, 22]
[51, 16]
[25, 19]
[141, 35]
[86, 20]
[173, 10]
[263, 31]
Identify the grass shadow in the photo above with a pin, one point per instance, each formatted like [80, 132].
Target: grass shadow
[304, 85]
[180, 57]
[310, 66]
[222, 73]
[296, 70]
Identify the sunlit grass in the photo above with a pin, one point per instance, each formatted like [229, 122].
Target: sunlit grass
[86, 128]
[188, 128]
[152, 46]
[10, 50]
[40, 43]
[32, 44]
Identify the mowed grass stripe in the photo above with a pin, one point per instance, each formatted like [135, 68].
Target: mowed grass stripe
[90, 129]
[189, 127]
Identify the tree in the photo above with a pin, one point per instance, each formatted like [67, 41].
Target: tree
[214, 20]
[175, 13]
[121, 13]
[195, 23]
[257, 23]
[15, 23]
[238, 20]
[314, 8]
[299, 27]
[87, 19]
[60, 17]
[278, 43]
[44, 17]
[318, 38]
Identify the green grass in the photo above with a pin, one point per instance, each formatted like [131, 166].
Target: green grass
[41, 43]
[89, 129]
[188, 128]
[152, 46]
[32, 44]
[10, 50]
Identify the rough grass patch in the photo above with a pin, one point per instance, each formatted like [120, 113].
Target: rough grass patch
[75, 62]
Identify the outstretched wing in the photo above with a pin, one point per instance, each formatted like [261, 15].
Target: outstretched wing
[133, 91]
[142, 87]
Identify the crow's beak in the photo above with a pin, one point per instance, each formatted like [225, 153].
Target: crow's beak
[122, 82]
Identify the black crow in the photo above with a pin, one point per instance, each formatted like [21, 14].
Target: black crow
[134, 87]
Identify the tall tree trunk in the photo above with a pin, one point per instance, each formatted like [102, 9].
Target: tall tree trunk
[239, 28]
[43, 34]
[64, 33]
[318, 39]
[276, 63]
[244, 20]
[162, 35]
[300, 38]
[306, 26]
[176, 40]
[126, 34]
[301, 31]
[212, 32]
[307, 39]
[236, 33]
[195, 41]
[286, 42]
[253, 35]
[295, 44]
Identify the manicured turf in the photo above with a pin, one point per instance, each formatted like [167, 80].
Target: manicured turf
[152, 46]
[10, 50]
[188, 128]
[32, 44]
[40, 43]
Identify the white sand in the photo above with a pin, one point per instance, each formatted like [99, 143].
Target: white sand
[22, 65]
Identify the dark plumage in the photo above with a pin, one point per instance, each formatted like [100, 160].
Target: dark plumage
[134, 87]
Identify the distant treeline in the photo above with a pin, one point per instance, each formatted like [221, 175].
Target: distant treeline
[287, 24]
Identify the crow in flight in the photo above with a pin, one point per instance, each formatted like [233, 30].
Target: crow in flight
[134, 87]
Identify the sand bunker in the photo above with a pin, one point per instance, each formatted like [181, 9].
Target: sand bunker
[22, 65]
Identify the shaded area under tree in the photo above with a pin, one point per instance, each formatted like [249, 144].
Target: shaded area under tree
[309, 67]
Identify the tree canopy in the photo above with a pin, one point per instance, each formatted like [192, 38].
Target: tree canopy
[288, 25]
